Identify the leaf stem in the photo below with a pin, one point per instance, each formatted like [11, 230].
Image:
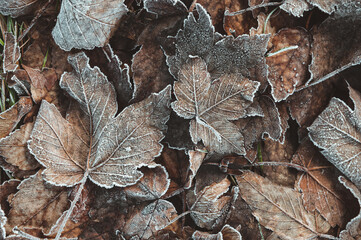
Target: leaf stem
[72, 206]
[282, 50]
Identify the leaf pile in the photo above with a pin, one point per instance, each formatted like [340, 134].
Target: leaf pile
[172, 119]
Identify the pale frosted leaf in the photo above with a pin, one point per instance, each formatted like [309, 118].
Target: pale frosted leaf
[16, 8]
[296, 7]
[212, 104]
[87, 24]
[340, 33]
[195, 161]
[144, 221]
[209, 206]
[280, 208]
[14, 148]
[36, 204]
[11, 53]
[327, 6]
[223, 55]
[353, 228]
[336, 132]
[3, 220]
[56, 147]
[226, 233]
[165, 7]
[11, 117]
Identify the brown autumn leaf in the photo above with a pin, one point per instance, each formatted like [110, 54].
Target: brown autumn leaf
[14, 148]
[336, 43]
[11, 117]
[239, 24]
[226, 233]
[7, 188]
[319, 187]
[11, 53]
[210, 205]
[146, 220]
[353, 228]
[16, 8]
[288, 69]
[211, 106]
[195, 161]
[85, 25]
[336, 132]
[215, 9]
[280, 209]
[36, 205]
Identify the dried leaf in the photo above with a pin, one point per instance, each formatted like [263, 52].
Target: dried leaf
[144, 221]
[339, 33]
[223, 55]
[353, 228]
[11, 117]
[336, 132]
[195, 161]
[16, 8]
[227, 233]
[11, 53]
[238, 24]
[165, 7]
[215, 9]
[106, 148]
[87, 24]
[328, 6]
[288, 70]
[36, 204]
[318, 185]
[211, 105]
[280, 208]
[296, 7]
[210, 205]
[14, 148]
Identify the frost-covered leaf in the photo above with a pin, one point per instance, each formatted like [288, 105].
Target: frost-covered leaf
[144, 221]
[327, 6]
[223, 55]
[16, 8]
[296, 7]
[195, 161]
[319, 187]
[337, 132]
[211, 105]
[353, 228]
[11, 117]
[226, 233]
[11, 53]
[165, 7]
[288, 69]
[210, 205]
[36, 204]
[93, 141]
[3, 220]
[280, 209]
[87, 24]
[14, 148]
[336, 43]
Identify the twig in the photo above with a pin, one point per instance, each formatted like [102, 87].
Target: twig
[35, 19]
[227, 13]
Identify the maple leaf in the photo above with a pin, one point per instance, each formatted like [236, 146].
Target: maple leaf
[92, 142]
[16, 8]
[336, 132]
[87, 24]
[211, 105]
[280, 209]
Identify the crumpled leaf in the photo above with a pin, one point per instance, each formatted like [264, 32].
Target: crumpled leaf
[226, 233]
[336, 132]
[195, 161]
[212, 105]
[210, 205]
[87, 24]
[319, 187]
[14, 148]
[223, 55]
[288, 70]
[165, 7]
[11, 53]
[340, 33]
[296, 7]
[107, 148]
[11, 117]
[36, 204]
[279, 208]
[353, 228]
[144, 221]
[16, 8]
